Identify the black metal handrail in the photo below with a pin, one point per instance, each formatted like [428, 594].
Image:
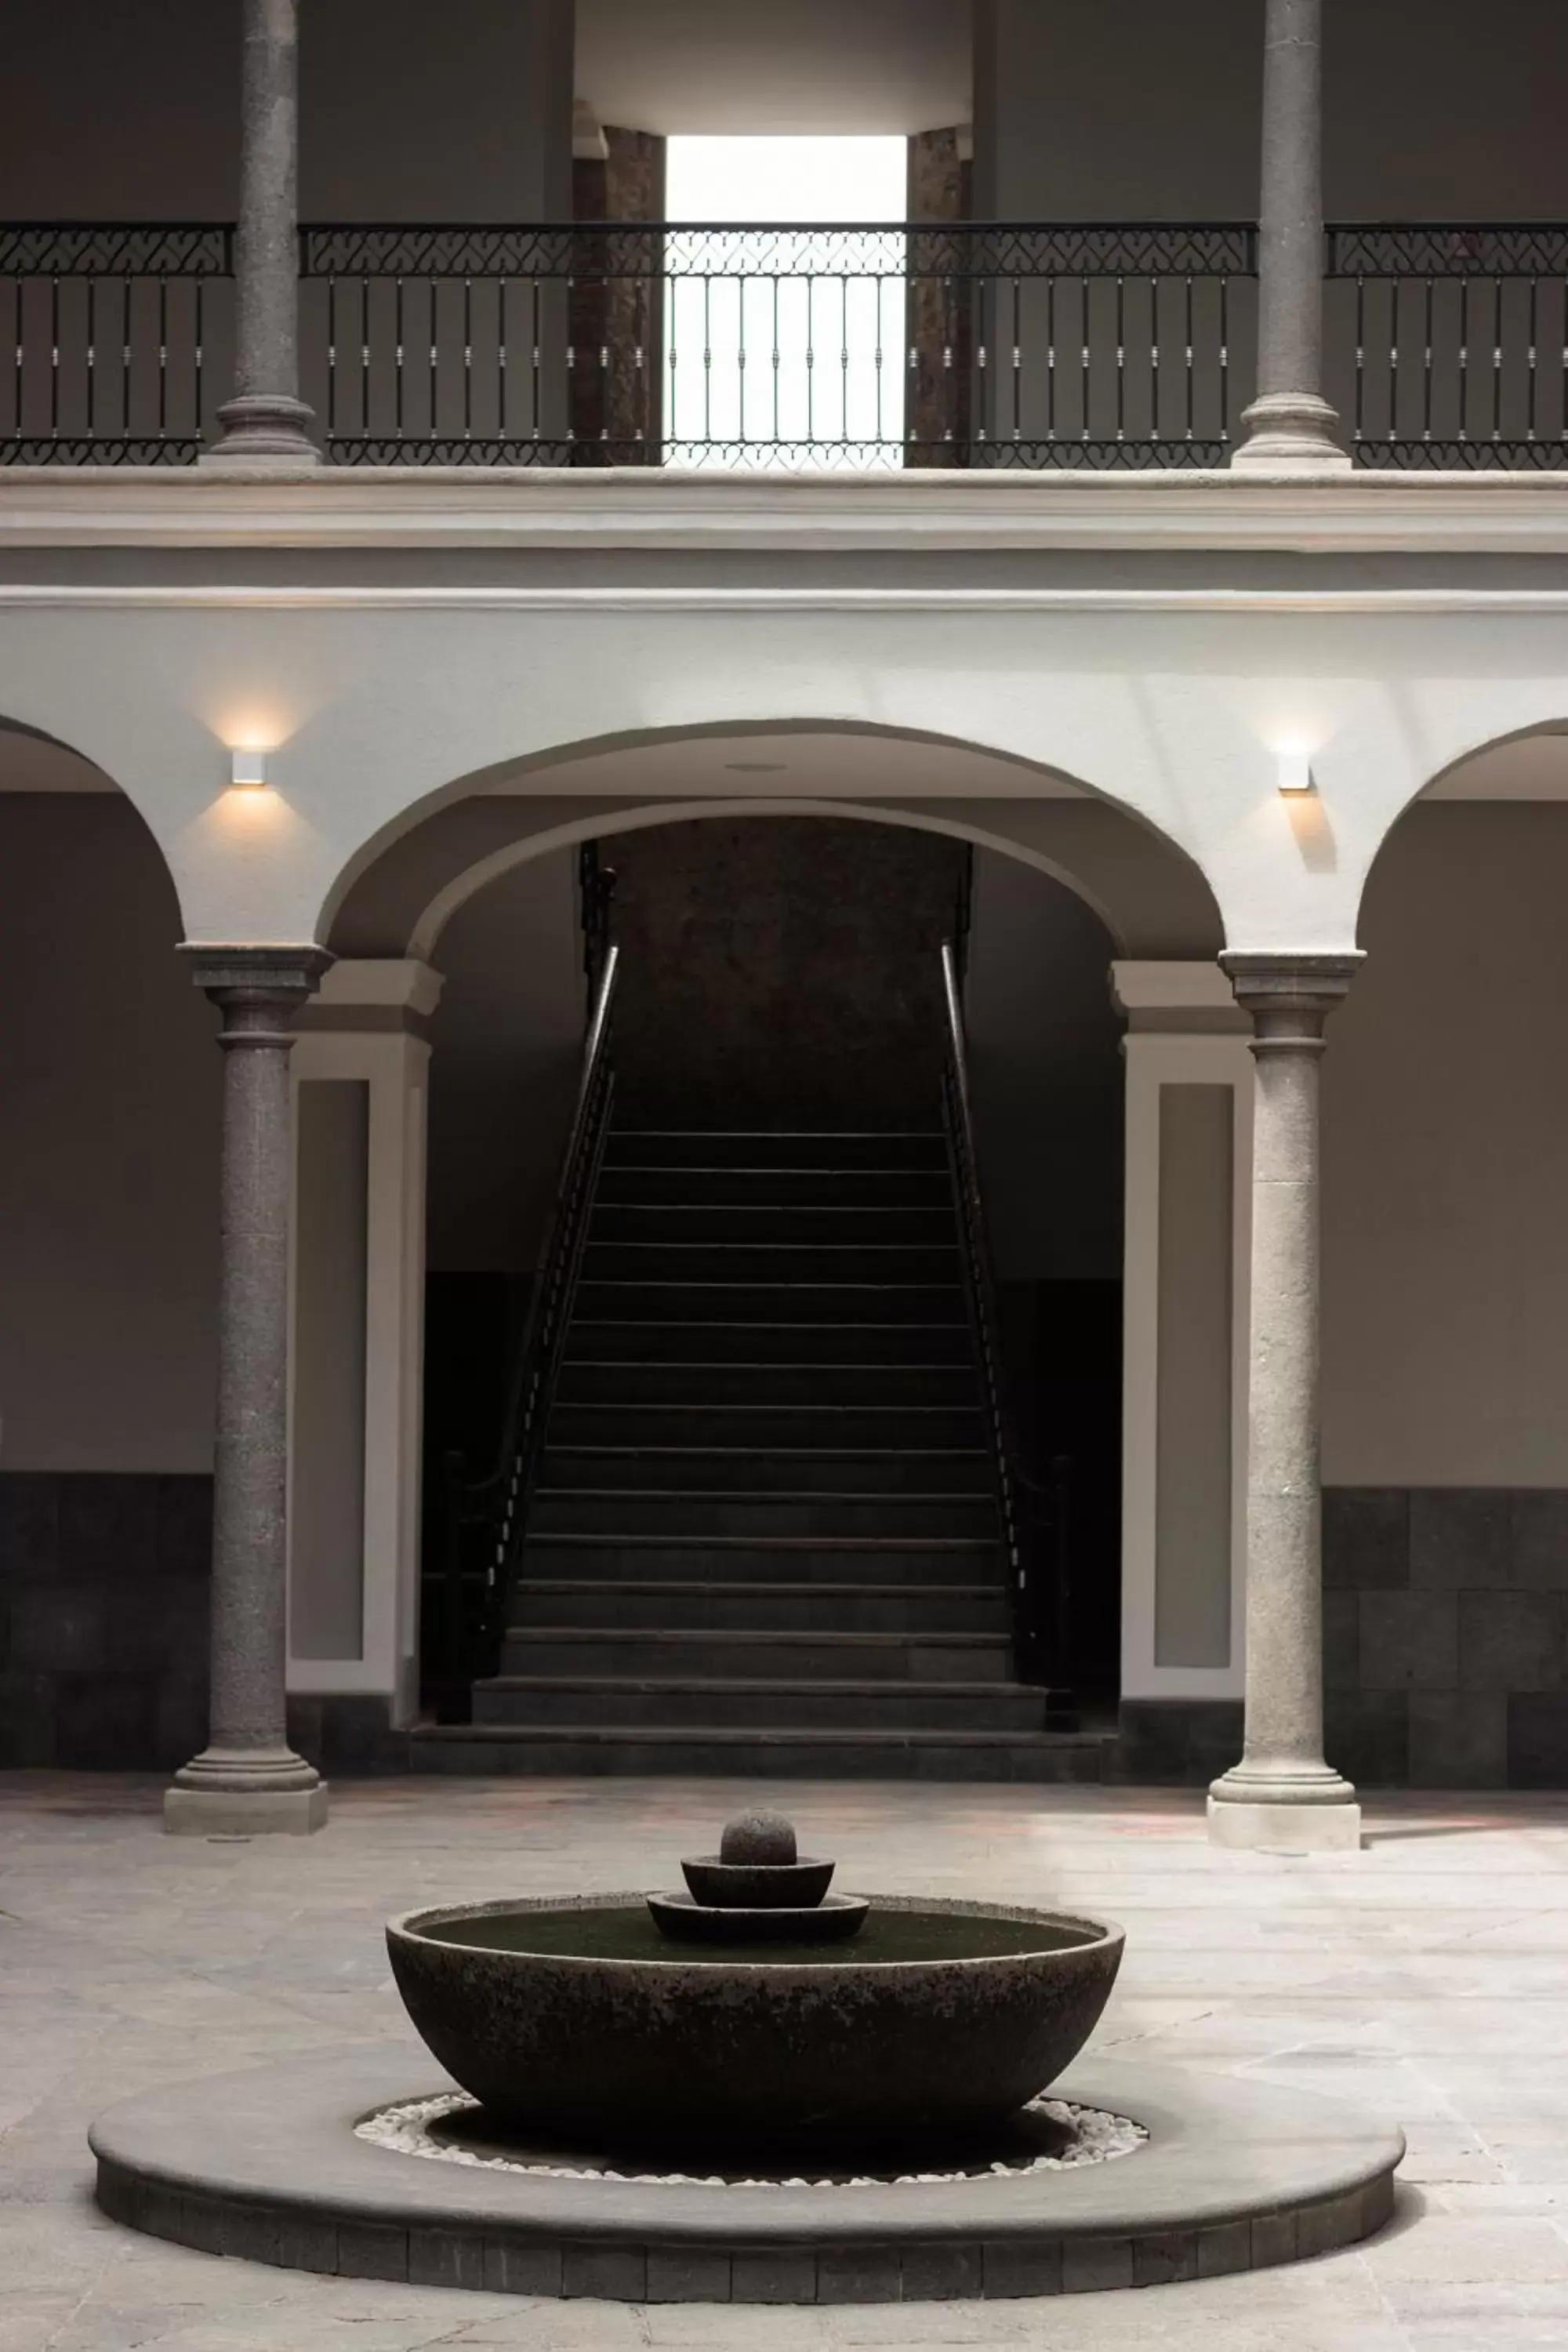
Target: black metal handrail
[1037, 1596]
[487, 1518]
[882, 344]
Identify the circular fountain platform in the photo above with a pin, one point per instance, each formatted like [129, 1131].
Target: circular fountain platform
[269, 2164]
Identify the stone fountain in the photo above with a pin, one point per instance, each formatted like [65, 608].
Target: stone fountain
[756, 2011]
[759, 2088]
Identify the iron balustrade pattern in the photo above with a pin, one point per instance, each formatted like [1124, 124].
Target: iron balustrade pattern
[121, 341]
[1023, 344]
[1448, 343]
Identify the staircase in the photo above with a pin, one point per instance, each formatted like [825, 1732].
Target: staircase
[764, 1535]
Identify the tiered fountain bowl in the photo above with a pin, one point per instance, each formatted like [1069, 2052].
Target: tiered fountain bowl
[755, 2011]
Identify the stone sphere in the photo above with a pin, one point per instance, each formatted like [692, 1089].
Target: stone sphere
[757, 1838]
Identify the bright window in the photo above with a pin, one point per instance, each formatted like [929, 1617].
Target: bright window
[785, 342]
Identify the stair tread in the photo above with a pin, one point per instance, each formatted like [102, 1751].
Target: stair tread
[745, 1735]
[736, 1364]
[597, 1451]
[773, 1637]
[776, 1686]
[576, 1537]
[772, 1134]
[704, 1323]
[768, 1494]
[559, 1586]
[678, 1404]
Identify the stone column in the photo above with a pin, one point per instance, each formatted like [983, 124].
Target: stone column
[247, 1779]
[1290, 426]
[266, 419]
[1282, 1796]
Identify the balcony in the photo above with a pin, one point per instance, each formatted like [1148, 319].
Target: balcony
[979, 346]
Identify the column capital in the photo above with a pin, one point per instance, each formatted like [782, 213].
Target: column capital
[1266, 983]
[282, 976]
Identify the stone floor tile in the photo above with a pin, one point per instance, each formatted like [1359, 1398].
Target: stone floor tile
[1429, 1975]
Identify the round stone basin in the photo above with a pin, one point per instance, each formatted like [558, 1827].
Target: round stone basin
[578, 2021]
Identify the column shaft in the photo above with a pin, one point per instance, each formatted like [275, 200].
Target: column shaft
[248, 1778]
[267, 419]
[1282, 1793]
[1290, 426]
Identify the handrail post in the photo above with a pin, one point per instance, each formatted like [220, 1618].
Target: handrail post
[1031, 1640]
[533, 1379]
[454, 1607]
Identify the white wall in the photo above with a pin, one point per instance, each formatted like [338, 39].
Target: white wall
[506, 1047]
[1445, 1162]
[109, 1150]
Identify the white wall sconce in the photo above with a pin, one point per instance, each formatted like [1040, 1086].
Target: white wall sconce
[248, 770]
[1293, 772]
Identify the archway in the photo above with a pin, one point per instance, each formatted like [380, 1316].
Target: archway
[484, 887]
[1446, 1288]
[109, 1150]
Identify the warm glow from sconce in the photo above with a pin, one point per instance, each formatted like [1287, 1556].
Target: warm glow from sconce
[1293, 771]
[247, 768]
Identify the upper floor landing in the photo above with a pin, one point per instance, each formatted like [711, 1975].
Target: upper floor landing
[1122, 230]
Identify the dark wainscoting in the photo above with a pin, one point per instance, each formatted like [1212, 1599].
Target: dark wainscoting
[103, 1619]
[1445, 1626]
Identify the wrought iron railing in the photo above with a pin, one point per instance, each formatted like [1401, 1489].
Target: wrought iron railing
[977, 344]
[852, 344]
[1448, 345]
[486, 1519]
[1036, 1569]
[120, 341]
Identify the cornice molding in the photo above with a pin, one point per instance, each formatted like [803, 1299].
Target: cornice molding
[248, 597]
[635, 507]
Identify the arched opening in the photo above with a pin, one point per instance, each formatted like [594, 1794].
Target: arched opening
[786, 1351]
[108, 1145]
[1445, 1290]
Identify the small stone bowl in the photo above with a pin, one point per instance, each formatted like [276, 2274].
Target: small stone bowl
[831, 1921]
[756, 1885]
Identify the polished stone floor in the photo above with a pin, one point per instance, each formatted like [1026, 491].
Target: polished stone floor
[1427, 1977]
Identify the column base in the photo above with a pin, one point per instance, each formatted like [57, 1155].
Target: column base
[221, 1793]
[1290, 433]
[1251, 1828]
[263, 429]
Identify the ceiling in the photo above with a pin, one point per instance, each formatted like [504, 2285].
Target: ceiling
[775, 65]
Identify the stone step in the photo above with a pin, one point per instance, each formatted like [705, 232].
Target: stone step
[775, 1148]
[903, 1189]
[705, 1605]
[757, 1705]
[690, 1302]
[668, 1511]
[724, 1559]
[667, 1224]
[769, 1470]
[671, 1337]
[553, 1650]
[804, 1265]
[750, 1387]
[633, 1424]
[719, 1752]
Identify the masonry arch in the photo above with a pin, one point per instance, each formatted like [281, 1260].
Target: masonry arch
[1069, 883]
[396, 896]
[109, 1237]
[1445, 1275]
